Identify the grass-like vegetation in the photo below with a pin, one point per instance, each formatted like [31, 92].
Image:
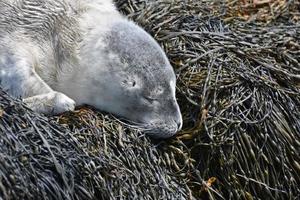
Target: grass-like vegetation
[238, 69]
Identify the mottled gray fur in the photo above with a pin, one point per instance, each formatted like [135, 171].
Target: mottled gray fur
[56, 54]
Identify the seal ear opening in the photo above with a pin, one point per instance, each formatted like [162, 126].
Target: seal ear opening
[129, 83]
[133, 83]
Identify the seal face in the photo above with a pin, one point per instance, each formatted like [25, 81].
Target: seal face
[149, 77]
[139, 81]
[103, 60]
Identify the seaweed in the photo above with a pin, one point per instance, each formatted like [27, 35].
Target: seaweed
[238, 86]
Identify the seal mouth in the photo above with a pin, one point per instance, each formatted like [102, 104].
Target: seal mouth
[162, 131]
[160, 128]
[155, 130]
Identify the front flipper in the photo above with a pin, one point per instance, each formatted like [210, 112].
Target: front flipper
[51, 103]
[19, 79]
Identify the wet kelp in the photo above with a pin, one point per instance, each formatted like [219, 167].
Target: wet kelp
[239, 91]
[95, 157]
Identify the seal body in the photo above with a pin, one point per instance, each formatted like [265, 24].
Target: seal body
[56, 54]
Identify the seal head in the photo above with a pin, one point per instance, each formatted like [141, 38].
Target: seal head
[134, 80]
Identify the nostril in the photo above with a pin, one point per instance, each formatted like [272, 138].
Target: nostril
[179, 125]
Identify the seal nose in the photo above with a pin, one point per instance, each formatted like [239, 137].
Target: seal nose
[178, 122]
[177, 116]
[179, 125]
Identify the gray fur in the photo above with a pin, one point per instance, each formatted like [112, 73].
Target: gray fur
[56, 54]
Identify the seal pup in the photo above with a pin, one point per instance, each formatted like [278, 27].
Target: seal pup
[56, 54]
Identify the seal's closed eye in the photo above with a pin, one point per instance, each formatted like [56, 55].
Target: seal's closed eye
[149, 100]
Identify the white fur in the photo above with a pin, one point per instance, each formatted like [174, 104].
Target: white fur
[24, 68]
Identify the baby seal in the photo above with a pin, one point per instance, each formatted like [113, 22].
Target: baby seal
[56, 54]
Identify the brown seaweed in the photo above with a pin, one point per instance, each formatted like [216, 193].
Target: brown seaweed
[239, 90]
